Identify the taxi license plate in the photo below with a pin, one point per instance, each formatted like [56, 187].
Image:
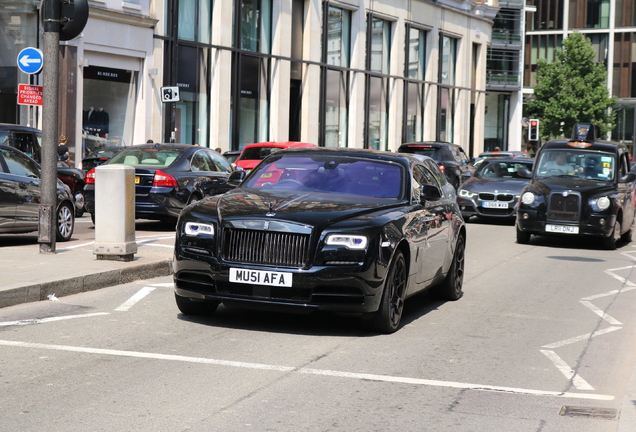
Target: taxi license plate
[137, 180]
[494, 204]
[258, 277]
[564, 229]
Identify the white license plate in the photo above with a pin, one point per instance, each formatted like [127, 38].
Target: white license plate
[258, 277]
[564, 229]
[494, 204]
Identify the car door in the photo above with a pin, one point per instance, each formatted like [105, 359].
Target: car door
[25, 173]
[8, 198]
[437, 226]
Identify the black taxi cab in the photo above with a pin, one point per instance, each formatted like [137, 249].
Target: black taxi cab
[579, 187]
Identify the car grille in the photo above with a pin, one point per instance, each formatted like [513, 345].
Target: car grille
[266, 247]
[496, 197]
[264, 292]
[564, 208]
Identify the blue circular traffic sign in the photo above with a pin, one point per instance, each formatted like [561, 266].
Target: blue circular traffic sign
[30, 60]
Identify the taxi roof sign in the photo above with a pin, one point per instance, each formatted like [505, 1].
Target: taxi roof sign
[588, 132]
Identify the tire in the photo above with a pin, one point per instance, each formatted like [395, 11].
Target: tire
[627, 236]
[387, 318]
[522, 237]
[451, 288]
[65, 222]
[609, 243]
[93, 218]
[194, 307]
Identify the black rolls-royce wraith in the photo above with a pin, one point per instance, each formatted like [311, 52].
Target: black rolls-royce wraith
[340, 230]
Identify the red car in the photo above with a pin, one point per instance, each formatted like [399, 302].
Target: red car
[252, 154]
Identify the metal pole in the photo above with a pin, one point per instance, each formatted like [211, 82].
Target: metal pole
[50, 95]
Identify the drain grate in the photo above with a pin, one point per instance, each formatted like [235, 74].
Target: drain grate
[590, 412]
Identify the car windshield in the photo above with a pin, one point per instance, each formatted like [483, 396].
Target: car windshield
[258, 153]
[145, 157]
[493, 168]
[327, 173]
[577, 163]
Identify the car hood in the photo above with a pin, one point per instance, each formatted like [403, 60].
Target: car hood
[479, 185]
[311, 208]
[562, 184]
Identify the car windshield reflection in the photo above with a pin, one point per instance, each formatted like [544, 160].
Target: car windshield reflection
[576, 163]
[339, 175]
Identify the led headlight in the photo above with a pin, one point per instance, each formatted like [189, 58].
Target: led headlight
[601, 203]
[466, 193]
[196, 228]
[527, 198]
[349, 241]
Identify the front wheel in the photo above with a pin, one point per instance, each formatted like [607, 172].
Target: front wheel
[195, 307]
[609, 243]
[387, 318]
[65, 223]
[522, 237]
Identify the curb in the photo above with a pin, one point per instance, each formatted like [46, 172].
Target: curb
[64, 287]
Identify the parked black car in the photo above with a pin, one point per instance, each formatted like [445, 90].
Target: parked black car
[99, 157]
[451, 158]
[340, 230]
[167, 178]
[494, 189]
[29, 141]
[580, 187]
[20, 196]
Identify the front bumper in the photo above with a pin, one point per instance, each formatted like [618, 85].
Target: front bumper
[342, 289]
[476, 207]
[597, 225]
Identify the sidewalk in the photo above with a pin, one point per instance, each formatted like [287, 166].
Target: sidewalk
[30, 276]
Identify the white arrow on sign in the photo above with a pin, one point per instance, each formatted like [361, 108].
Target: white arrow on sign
[25, 60]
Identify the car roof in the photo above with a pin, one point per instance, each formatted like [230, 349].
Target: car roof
[511, 159]
[18, 127]
[402, 158]
[599, 145]
[163, 146]
[281, 144]
[428, 143]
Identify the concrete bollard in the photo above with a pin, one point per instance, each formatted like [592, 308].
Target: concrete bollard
[115, 213]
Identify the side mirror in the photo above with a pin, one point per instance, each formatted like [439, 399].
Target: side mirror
[628, 178]
[429, 192]
[524, 172]
[236, 178]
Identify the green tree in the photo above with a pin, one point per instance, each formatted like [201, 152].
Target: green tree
[571, 89]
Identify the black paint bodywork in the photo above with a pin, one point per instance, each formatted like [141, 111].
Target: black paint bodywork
[331, 278]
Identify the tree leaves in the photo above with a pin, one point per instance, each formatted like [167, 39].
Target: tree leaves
[571, 89]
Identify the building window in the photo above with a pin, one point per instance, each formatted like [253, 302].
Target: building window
[624, 70]
[194, 20]
[377, 114]
[255, 25]
[416, 53]
[378, 54]
[625, 13]
[539, 47]
[252, 119]
[589, 14]
[415, 67]
[549, 15]
[335, 130]
[448, 60]
[190, 113]
[338, 36]
[446, 114]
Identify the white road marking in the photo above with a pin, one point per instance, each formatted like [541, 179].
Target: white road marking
[600, 313]
[569, 373]
[612, 273]
[163, 285]
[309, 371]
[134, 299]
[45, 320]
[581, 338]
